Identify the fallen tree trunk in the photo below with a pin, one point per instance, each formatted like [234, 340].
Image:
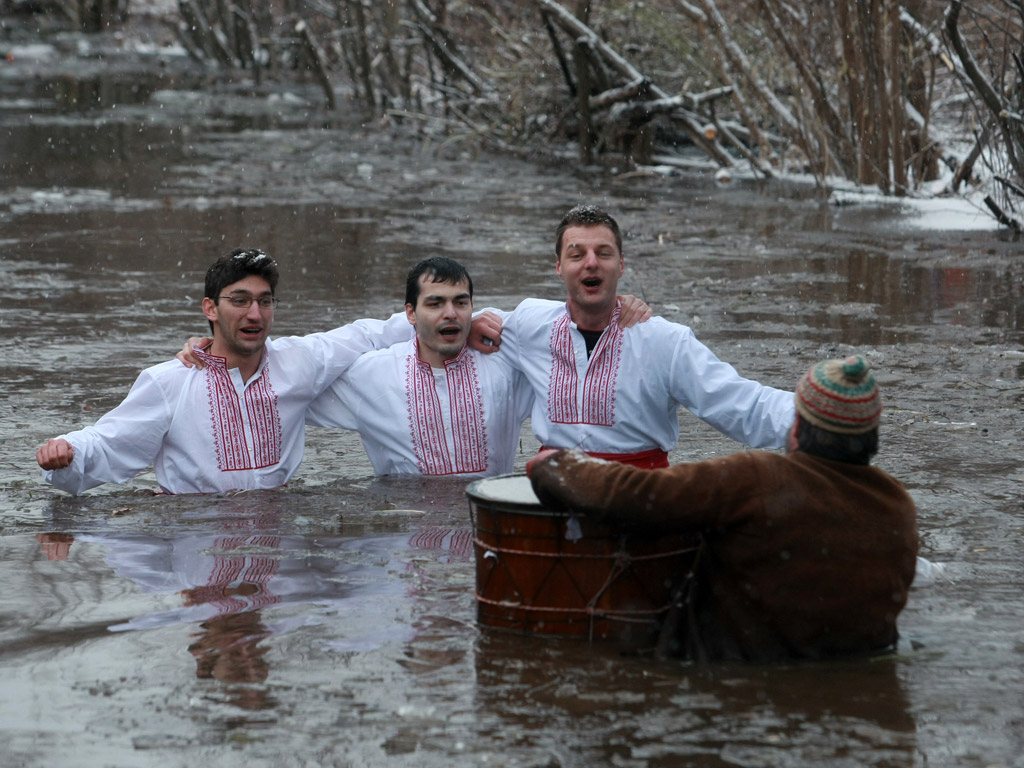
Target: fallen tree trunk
[688, 121]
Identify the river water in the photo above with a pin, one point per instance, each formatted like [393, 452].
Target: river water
[333, 622]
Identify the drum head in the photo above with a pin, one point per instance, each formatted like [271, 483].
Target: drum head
[504, 491]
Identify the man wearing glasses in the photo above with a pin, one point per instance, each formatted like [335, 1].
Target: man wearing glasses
[237, 423]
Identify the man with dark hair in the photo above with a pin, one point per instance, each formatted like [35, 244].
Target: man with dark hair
[803, 556]
[439, 270]
[432, 405]
[239, 422]
[237, 265]
[615, 392]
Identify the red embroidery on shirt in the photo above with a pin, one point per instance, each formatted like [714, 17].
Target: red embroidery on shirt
[229, 432]
[426, 421]
[598, 384]
[564, 381]
[264, 420]
[602, 376]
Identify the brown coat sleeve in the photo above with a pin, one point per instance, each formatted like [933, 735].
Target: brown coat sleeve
[611, 491]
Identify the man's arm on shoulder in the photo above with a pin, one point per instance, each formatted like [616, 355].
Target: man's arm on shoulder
[338, 348]
[489, 323]
[117, 447]
[333, 407]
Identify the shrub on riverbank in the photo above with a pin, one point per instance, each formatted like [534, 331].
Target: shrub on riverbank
[884, 94]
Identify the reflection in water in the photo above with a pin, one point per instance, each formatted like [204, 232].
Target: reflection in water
[610, 709]
[451, 544]
[241, 582]
[228, 650]
[858, 296]
[73, 94]
[225, 581]
[855, 711]
[56, 546]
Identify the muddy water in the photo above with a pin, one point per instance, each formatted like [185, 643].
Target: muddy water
[333, 622]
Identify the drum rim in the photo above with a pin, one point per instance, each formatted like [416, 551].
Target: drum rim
[492, 503]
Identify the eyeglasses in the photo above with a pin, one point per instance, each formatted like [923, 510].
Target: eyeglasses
[243, 301]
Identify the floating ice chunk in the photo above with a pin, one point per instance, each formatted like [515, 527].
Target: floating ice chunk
[926, 573]
[32, 51]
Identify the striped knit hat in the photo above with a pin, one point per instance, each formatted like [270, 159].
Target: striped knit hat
[840, 396]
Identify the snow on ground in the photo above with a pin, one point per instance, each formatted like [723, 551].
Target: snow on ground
[948, 213]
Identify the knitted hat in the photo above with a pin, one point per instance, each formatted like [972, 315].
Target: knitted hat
[840, 396]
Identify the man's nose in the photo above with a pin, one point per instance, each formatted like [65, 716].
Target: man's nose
[590, 259]
[253, 313]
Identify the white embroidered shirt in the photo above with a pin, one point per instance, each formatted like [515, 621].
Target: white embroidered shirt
[625, 397]
[413, 419]
[205, 431]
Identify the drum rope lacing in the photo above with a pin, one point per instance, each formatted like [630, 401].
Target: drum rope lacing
[603, 556]
[622, 562]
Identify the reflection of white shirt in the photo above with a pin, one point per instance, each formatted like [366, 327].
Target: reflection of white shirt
[208, 431]
[217, 575]
[462, 420]
[624, 398]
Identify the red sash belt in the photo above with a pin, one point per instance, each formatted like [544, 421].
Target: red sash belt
[652, 459]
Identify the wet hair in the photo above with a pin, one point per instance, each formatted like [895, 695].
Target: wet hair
[238, 265]
[852, 449]
[439, 269]
[587, 216]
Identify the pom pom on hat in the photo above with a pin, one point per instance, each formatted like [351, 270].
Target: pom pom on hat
[840, 396]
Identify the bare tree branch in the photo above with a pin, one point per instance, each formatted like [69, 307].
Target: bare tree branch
[687, 121]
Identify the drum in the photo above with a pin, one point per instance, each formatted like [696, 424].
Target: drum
[552, 573]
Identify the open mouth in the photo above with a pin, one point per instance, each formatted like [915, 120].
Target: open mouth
[449, 333]
[249, 331]
[592, 282]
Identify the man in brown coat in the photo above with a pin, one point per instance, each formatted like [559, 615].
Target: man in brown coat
[806, 555]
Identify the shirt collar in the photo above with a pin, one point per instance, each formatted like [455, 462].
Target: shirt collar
[216, 361]
[454, 362]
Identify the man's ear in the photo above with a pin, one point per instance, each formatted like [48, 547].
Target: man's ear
[410, 314]
[792, 444]
[558, 265]
[210, 309]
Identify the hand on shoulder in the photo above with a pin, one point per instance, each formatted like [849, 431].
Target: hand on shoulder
[485, 333]
[187, 357]
[633, 312]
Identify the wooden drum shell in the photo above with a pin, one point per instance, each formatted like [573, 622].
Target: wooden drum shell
[605, 585]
